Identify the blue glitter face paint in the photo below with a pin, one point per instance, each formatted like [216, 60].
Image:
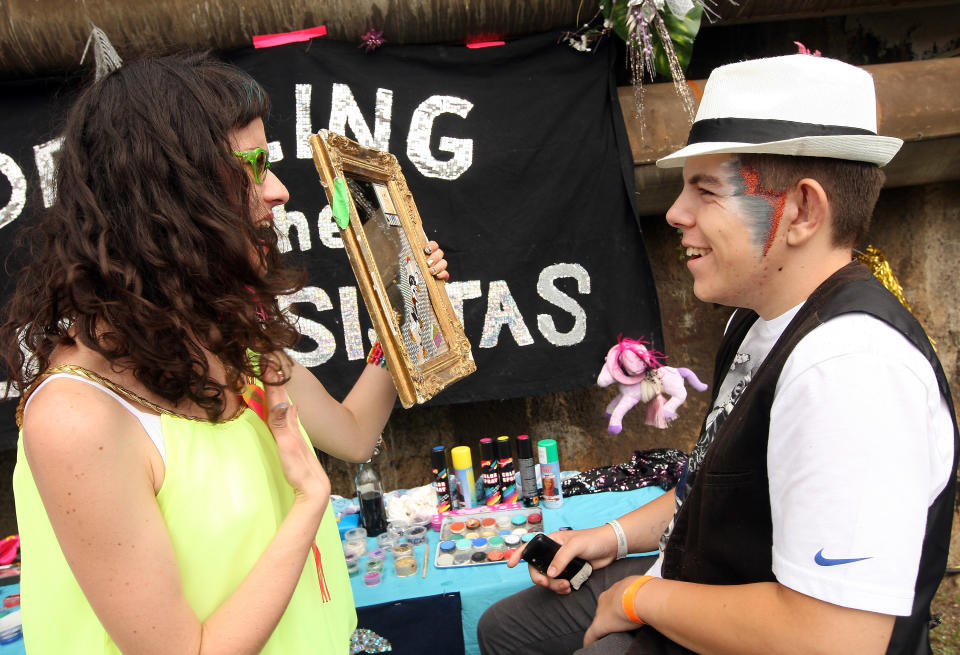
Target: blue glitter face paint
[760, 208]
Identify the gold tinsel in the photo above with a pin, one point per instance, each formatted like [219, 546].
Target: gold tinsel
[881, 270]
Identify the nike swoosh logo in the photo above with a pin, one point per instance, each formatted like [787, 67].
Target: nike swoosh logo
[824, 561]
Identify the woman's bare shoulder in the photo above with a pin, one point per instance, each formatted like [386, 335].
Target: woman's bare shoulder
[68, 418]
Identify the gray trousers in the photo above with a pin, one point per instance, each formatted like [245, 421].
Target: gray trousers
[537, 620]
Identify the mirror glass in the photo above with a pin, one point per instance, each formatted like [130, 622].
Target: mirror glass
[405, 288]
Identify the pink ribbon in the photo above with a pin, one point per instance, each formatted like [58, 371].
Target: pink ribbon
[270, 40]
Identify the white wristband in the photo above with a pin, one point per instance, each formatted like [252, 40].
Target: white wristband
[621, 538]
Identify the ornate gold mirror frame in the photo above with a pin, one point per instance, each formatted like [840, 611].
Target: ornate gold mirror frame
[421, 336]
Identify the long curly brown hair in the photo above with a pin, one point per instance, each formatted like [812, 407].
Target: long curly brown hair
[147, 255]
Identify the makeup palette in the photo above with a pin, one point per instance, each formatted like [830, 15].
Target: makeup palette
[486, 537]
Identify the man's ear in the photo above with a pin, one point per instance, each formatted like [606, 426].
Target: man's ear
[811, 213]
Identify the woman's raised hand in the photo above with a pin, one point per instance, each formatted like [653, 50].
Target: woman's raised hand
[435, 261]
[300, 465]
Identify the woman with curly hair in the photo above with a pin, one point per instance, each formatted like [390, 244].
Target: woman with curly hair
[157, 512]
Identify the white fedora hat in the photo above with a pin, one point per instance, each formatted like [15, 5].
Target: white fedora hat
[798, 105]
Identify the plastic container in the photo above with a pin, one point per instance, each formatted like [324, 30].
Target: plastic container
[416, 535]
[398, 528]
[448, 546]
[353, 564]
[386, 541]
[373, 515]
[402, 550]
[405, 566]
[356, 546]
[354, 534]
[421, 519]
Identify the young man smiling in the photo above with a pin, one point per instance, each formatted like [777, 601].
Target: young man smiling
[814, 512]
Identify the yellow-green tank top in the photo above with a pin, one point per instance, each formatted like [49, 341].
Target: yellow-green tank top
[223, 497]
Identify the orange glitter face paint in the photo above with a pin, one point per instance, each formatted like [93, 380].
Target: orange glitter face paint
[762, 207]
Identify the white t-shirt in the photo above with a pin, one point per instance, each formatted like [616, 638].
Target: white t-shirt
[860, 445]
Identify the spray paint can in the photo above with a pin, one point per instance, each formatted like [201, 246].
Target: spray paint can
[463, 471]
[489, 472]
[508, 484]
[438, 462]
[526, 470]
[550, 472]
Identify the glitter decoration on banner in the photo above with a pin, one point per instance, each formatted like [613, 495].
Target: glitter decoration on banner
[350, 311]
[344, 112]
[383, 117]
[421, 128]
[46, 155]
[326, 342]
[502, 310]
[368, 641]
[554, 296]
[460, 290]
[283, 221]
[275, 152]
[303, 123]
[18, 190]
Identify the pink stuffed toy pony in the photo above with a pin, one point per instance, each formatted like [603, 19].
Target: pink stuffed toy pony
[641, 377]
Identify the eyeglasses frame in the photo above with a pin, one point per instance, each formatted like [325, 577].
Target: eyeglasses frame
[250, 157]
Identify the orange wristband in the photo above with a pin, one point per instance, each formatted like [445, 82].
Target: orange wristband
[630, 593]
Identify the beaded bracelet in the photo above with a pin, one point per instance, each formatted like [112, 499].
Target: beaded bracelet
[376, 356]
[630, 593]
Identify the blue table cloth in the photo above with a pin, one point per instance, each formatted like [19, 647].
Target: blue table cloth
[481, 586]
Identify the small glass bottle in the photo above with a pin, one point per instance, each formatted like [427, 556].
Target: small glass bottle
[373, 516]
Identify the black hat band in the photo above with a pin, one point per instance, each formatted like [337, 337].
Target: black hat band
[763, 130]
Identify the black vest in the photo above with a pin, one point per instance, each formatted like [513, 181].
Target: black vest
[723, 533]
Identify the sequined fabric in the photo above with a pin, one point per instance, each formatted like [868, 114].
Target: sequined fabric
[646, 468]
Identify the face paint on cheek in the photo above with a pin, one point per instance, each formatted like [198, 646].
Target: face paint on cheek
[763, 206]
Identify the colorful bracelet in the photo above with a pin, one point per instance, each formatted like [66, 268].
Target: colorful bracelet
[376, 356]
[630, 593]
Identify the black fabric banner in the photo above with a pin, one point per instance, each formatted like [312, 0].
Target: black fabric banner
[519, 164]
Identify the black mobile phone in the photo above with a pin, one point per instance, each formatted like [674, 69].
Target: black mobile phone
[539, 552]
